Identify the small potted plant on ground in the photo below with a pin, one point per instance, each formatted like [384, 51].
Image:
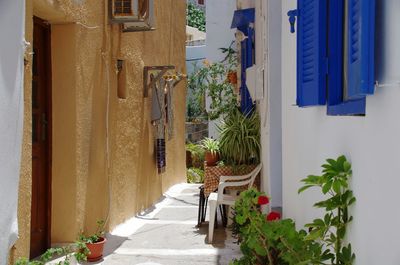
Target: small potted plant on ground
[70, 254]
[211, 147]
[95, 242]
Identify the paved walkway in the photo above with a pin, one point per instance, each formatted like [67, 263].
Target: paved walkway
[167, 235]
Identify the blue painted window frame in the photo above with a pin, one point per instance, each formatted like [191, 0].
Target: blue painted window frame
[336, 103]
[247, 60]
[360, 60]
[311, 52]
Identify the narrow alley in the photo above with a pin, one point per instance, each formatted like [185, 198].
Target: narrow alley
[167, 234]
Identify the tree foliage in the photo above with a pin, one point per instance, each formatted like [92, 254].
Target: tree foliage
[195, 17]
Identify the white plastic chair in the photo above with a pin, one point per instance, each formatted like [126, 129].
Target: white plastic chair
[215, 199]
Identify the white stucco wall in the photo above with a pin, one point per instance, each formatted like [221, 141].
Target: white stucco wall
[194, 57]
[268, 52]
[371, 143]
[11, 118]
[219, 16]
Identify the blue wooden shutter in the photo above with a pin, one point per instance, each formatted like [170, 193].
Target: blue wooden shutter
[246, 102]
[311, 52]
[361, 30]
[336, 103]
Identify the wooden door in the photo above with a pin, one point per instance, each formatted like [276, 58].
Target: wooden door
[41, 139]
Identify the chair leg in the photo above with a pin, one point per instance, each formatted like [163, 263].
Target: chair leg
[224, 216]
[205, 209]
[222, 211]
[201, 210]
[213, 210]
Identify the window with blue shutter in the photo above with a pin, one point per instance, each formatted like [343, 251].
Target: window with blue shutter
[360, 60]
[243, 20]
[247, 60]
[311, 52]
[351, 56]
[335, 54]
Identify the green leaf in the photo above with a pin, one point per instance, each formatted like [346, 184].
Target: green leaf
[332, 162]
[352, 200]
[336, 186]
[260, 250]
[327, 187]
[346, 166]
[340, 162]
[304, 188]
[319, 222]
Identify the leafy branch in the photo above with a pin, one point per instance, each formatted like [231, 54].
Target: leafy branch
[331, 230]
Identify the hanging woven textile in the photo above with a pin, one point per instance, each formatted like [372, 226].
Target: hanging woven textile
[160, 149]
[162, 84]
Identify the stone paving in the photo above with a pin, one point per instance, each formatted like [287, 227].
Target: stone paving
[167, 235]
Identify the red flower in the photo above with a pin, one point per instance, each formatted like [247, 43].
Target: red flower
[263, 200]
[272, 216]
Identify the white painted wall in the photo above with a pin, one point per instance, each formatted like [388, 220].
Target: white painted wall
[219, 16]
[194, 56]
[268, 52]
[12, 30]
[371, 143]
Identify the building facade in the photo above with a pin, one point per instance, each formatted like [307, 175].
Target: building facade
[88, 137]
[296, 140]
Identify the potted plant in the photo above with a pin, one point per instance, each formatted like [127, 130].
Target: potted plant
[70, 254]
[210, 81]
[240, 138]
[232, 77]
[95, 242]
[230, 61]
[211, 147]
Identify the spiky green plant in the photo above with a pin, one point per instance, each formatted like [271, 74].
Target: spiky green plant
[240, 138]
[211, 145]
[197, 154]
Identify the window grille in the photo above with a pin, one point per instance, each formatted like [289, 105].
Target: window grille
[122, 8]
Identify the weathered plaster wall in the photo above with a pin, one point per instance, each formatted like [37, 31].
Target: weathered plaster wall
[24, 194]
[91, 155]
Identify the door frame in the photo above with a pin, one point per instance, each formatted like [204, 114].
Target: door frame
[47, 27]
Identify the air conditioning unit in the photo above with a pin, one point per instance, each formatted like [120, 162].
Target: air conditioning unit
[134, 15]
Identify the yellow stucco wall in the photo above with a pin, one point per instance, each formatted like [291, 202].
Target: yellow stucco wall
[102, 168]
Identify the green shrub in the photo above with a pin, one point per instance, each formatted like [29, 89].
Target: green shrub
[197, 154]
[240, 138]
[331, 229]
[270, 242]
[211, 145]
[81, 252]
[210, 80]
[195, 17]
[195, 175]
[279, 243]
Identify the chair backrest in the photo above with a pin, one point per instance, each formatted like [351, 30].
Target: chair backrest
[253, 174]
[240, 181]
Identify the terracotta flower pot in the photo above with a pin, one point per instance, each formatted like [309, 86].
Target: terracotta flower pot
[211, 158]
[232, 78]
[96, 250]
